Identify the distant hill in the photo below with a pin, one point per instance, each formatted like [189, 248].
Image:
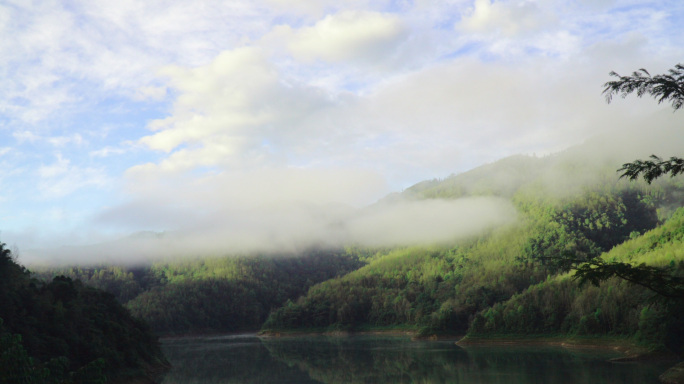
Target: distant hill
[569, 202]
[61, 331]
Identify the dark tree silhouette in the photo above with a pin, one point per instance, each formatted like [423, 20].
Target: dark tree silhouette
[664, 88]
[666, 282]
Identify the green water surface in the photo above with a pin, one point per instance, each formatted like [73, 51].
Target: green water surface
[379, 360]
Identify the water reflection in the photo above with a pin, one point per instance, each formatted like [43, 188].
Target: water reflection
[377, 360]
[226, 359]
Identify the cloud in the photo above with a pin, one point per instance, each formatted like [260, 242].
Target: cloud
[226, 110]
[244, 111]
[61, 52]
[293, 228]
[56, 141]
[61, 178]
[334, 104]
[22, 136]
[318, 8]
[507, 18]
[258, 188]
[150, 93]
[348, 35]
[428, 221]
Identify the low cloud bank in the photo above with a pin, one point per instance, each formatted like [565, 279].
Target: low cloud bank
[292, 228]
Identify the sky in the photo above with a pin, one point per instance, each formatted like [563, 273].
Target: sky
[214, 117]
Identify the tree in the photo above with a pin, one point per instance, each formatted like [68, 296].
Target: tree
[664, 88]
[664, 281]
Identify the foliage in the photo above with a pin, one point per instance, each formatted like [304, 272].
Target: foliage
[661, 280]
[569, 205]
[216, 294]
[613, 307]
[663, 88]
[68, 330]
[652, 169]
[664, 281]
[477, 285]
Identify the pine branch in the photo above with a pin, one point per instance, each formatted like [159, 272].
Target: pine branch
[661, 280]
[652, 169]
[664, 88]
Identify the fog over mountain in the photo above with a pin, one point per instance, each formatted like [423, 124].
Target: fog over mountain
[259, 117]
[268, 214]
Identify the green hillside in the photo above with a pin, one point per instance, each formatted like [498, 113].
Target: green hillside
[478, 286]
[64, 332]
[214, 294]
[513, 279]
[559, 306]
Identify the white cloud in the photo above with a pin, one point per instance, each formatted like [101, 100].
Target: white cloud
[225, 111]
[348, 35]
[56, 141]
[507, 18]
[108, 151]
[61, 141]
[389, 92]
[60, 52]
[61, 178]
[150, 93]
[243, 111]
[291, 227]
[318, 8]
[22, 136]
[428, 222]
[252, 188]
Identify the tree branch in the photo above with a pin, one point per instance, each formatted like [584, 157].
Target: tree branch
[652, 169]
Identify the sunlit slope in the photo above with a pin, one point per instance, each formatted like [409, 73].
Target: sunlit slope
[661, 246]
[442, 288]
[415, 287]
[571, 202]
[566, 173]
[616, 307]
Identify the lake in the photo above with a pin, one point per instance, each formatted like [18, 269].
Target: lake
[390, 359]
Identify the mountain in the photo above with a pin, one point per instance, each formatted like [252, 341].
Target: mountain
[63, 331]
[572, 202]
[505, 281]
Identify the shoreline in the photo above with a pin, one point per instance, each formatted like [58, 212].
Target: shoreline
[337, 333]
[207, 335]
[616, 344]
[630, 351]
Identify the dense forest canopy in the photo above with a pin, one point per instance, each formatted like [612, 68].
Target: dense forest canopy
[564, 267]
[668, 87]
[506, 279]
[62, 331]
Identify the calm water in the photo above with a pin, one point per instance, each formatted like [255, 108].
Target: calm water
[379, 360]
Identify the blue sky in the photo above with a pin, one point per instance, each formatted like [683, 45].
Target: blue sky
[118, 117]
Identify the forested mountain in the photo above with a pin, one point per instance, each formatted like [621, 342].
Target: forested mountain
[214, 294]
[509, 279]
[615, 307]
[439, 288]
[65, 332]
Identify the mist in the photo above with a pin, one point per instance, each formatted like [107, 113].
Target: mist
[292, 228]
[288, 211]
